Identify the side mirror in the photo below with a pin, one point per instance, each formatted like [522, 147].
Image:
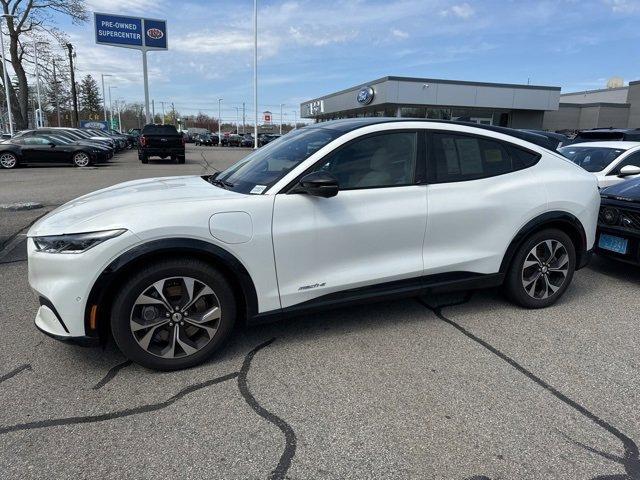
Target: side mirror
[319, 184]
[629, 170]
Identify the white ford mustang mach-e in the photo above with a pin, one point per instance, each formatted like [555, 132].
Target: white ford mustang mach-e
[333, 213]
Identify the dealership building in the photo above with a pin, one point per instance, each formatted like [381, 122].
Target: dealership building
[510, 105]
[615, 107]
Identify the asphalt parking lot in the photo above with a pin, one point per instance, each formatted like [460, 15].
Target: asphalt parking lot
[465, 386]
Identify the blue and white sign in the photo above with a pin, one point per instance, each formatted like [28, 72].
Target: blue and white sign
[130, 32]
[95, 124]
[365, 95]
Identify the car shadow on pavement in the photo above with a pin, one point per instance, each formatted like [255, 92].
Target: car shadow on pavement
[615, 269]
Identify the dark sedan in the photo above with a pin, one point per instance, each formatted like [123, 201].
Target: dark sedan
[618, 234]
[26, 150]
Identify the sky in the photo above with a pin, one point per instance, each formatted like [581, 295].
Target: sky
[309, 48]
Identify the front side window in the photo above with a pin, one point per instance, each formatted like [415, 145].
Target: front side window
[633, 159]
[458, 157]
[382, 160]
[262, 169]
[592, 159]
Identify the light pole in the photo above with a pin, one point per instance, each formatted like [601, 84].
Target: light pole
[244, 121]
[39, 122]
[104, 97]
[295, 117]
[219, 122]
[255, 73]
[119, 104]
[111, 107]
[237, 119]
[74, 93]
[6, 16]
[281, 105]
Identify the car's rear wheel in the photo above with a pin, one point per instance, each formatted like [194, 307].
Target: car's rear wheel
[542, 269]
[81, 159]
[8, 160]
[174, 314]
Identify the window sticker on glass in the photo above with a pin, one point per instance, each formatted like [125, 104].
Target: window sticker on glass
[469, 155]
[493, 155]
[258, 189]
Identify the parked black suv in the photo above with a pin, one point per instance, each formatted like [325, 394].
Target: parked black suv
[161, 141]
[618, 234]
[607, 134]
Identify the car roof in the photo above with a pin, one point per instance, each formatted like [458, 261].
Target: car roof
[618, 144]
[349, 124]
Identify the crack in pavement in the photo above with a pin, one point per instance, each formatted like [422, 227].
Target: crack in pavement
[278, 473]
[631, 459]
[15, 371]
[289, 451]
[113, 371]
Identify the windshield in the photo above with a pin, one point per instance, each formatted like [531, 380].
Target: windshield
[592, 159]
[159, 130]
[263, 168]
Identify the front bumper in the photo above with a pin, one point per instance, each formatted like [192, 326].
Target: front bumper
[63, 283]
[49, 323]
[633, 248]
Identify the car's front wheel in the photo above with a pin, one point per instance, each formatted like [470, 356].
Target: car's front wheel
[173, 314]
[541, 269]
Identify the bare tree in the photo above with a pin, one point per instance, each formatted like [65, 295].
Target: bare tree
[32, 21]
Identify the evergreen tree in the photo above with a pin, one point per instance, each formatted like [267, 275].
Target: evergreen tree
[90, 99]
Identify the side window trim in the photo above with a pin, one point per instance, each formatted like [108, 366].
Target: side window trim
[430, 155]
[418, 160]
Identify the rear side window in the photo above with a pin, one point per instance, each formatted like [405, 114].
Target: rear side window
[159, 130]
[458, 157]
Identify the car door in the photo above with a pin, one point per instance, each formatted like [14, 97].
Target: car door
[39, 150]
[612, 176]
[479, 196]
[370, 233]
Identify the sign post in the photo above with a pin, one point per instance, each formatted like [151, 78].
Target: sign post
[144, 34]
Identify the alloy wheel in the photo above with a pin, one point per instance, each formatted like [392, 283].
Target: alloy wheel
[545, 269]
[8, 160]
[81, 159]
[175, 317]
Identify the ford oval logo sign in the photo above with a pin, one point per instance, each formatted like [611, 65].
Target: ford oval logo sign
[365, 95]
[155, 33]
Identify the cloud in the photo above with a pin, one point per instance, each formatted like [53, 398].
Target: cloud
[125, 6]
[623, 6]
[399, 33]
[463, 10]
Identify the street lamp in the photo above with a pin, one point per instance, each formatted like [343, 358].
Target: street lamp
[295, 119]
[281, 105]
[104, 97]
[6, 16]
[255, 73]
[39, 122]
[111, 107]
[219, 122]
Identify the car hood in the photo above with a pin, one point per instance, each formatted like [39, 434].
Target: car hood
[115, 206]
[629, 191]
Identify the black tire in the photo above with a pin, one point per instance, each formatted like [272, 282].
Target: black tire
[547, 272]
[144, 158]
[8, 160]
[179, 267]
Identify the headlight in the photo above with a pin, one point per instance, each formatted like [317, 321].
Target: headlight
[74, 243]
